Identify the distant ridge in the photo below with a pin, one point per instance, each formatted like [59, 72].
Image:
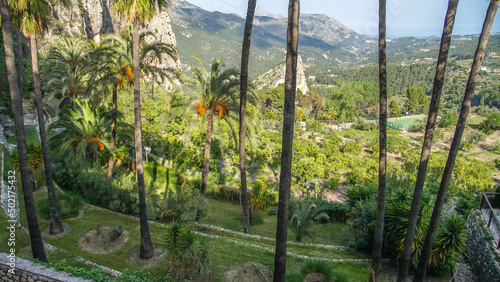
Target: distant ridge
[260, 12]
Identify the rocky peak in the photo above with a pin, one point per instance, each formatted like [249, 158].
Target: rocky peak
[276, 76]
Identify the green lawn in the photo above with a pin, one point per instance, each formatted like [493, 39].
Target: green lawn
[225, 254]
[228, 215]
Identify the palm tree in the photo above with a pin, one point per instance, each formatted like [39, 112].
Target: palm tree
[455, 145]
[429, 133]
[138, 12]
[20, 62]
[86, 129]
[287, 137]
[114, 60]
[245, 54]
[379, 227]
[302, 216]
[32, 21]
[68, 72]
[17, 109]
[217, 98]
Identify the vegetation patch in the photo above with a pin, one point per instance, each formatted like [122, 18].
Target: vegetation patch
[104, 239]
[68, 205]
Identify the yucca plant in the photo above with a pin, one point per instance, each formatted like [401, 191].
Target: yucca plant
[450, 239]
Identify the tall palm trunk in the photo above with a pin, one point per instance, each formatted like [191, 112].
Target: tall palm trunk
[429, 133]
[382, 163]
[455, 145]
[206, 162]
[287, 137]
[55, 226]
[146, 250]
[17, 109]
[20, 63]
[113, 131]
[245, 54]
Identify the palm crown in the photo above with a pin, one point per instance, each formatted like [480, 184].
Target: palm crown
[217, 90]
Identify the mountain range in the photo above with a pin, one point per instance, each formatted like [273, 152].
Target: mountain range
[323, 41]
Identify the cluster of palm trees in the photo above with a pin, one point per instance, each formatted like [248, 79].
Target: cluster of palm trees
[114, 61]
[122, 62]
[82, 70]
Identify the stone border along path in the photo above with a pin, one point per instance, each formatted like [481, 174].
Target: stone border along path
[269, 238]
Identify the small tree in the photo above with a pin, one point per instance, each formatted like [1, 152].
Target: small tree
[394, 109]
[491, 123]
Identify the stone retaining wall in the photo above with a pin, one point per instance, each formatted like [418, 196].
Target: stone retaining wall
[28, 271]
[483, 253]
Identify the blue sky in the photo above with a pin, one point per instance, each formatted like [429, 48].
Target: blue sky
[404, 17]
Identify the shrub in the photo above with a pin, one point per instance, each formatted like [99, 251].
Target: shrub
[189, 253]
[360, 193]
[417, 126]
[361, 217]
[80, 177]
[450, 240]
[336, 211]
[362, 124]
[353, 148]
[179, 200]
[115, 233]
[474, 137]
[333, 182]
[314, 126]
[491, 123]
[447, 120]
[68, 206]
[465, 203]
[261, 198]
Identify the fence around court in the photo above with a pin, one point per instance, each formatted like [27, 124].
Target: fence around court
[403, 123]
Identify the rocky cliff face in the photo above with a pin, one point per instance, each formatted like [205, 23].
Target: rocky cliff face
[276, 76]
[92, 18]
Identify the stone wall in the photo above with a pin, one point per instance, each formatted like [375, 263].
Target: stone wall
[28, 271]
[483, 253]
